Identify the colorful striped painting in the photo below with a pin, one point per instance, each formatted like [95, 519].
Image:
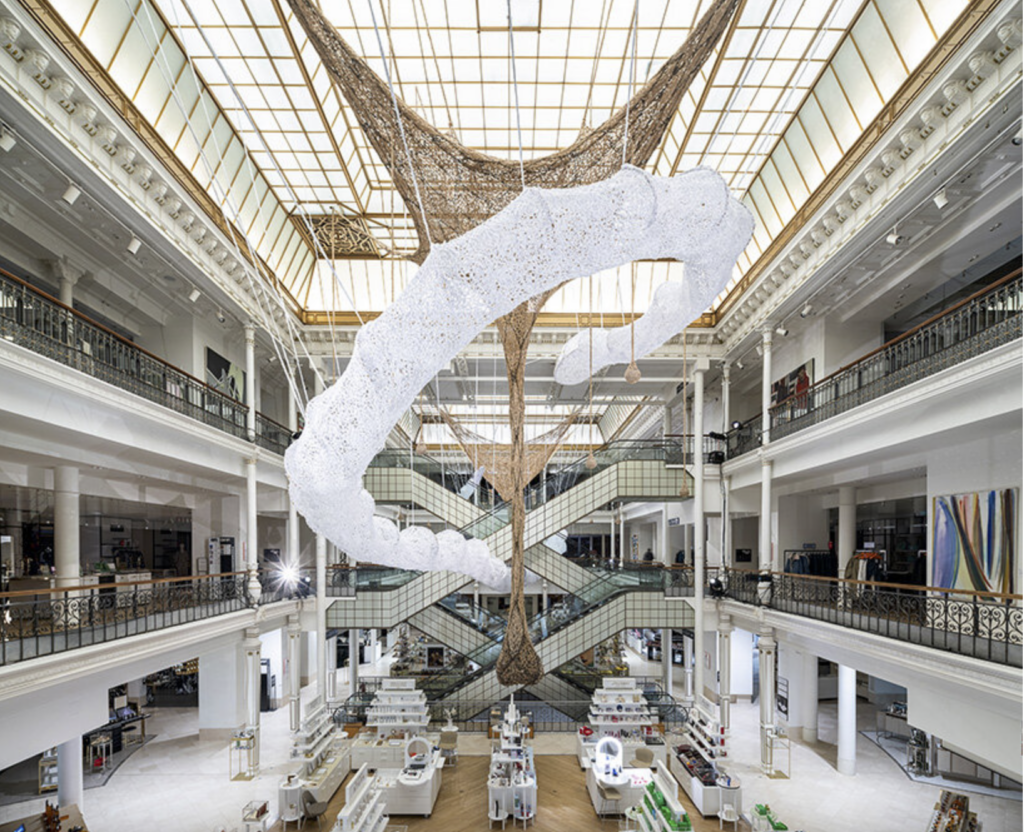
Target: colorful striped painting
[974, 541]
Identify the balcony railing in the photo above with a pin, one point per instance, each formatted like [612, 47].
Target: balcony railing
[713, 447]
[982, 322]
[36, 623]
[35, 320]
[985, 625]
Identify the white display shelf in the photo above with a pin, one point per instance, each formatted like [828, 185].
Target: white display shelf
[670, 791]
[398, 706]
[364, 805]
[512, 776]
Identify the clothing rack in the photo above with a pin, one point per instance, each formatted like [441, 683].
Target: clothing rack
[819, 562]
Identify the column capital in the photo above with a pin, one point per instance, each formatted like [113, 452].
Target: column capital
[724, 623]
[252, 638]
[766, 335]
[726, 370]
[252, 456]
[294, 624]
[766, 642]
[64, 270]
[250, 333]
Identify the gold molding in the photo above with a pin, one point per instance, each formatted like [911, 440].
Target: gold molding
[964, 26]
[62, 35]
[563, 320]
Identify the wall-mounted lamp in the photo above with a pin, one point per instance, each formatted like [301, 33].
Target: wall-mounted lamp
[71, 194]
[940, 199]
[806, 311]
[781, 330]
[134, 245]
[221, 316]
[895, 238]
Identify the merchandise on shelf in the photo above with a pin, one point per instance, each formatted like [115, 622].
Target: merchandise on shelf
[952, 814]
[765, 811]
[398, 709]
[512, 777]
[364, 809]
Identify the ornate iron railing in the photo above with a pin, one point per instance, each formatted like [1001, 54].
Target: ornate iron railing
[982, 322]
[984, 625]
[34, 624]
[33, 319]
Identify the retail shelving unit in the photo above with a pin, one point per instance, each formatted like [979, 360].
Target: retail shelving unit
[48, 771]
[952, 814]
[619, 709]
[364, 809]
[512, 777]
[696, 761]
[398, 708]
[325, 754]
[660, 809]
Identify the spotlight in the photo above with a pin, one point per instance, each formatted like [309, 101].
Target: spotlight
[895, 238]
[739, 365]
[782, 330]
[134, 245]
[940, 199]
[71, 194]
[296, 435]
[7, 141]
[716, 589]
[221, 316]
[807, 310]
[736, 425]
[758, 350]
[194, 295]
[1016, 141]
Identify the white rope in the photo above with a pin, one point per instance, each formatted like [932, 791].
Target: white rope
[515, 89]
[629, 95]
[401, 127]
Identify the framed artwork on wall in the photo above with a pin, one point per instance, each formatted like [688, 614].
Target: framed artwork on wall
[974, 540]
[224, 376]
[796, 382]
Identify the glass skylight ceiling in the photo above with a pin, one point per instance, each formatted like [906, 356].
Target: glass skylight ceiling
[793, 85]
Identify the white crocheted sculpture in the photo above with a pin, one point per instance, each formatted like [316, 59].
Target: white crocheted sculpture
[542, 239]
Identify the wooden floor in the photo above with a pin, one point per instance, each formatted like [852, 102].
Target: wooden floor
[563, 804]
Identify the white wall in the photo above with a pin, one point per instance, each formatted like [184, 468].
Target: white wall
[222, 691]
[992, 461]
[742, 666]
[744, 536]
[801, 519]
[791, 668]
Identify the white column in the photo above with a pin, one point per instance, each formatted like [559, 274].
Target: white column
[766, 383]
[66, 543]
[846, 756]
[611, 550]
[543, 594]
[67, 289]
[321, 616]
[294, 545]
[810, 697]
[353, 661]
[251, 646]
[294, 666]
[70, 786]
[251, 533]
[622, 537]
[699, 526]
[688, 542]
[332, 668]
[476, 603]
[724, 669]
[666, 421]
[847, 537]
[727, 553]
[766, 648]
[666, 661]
[726, 374]
[250, 380]
[687, 668]
[374, 643]
[764, 555]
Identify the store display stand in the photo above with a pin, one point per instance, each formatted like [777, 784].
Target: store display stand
[325, 753]
[952, 814]
[256, 816]
[618, 709]
[48, 771]
[696, 763]
[243, 755]
[512, 777]
[398, 708]
[364, 809]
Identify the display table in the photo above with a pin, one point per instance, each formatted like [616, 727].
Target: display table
[289, 800]
[378, 753]
[631, 783]
[412, 791]
[586, 746]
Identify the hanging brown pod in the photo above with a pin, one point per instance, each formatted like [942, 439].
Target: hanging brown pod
[591, 461]
[632, 374]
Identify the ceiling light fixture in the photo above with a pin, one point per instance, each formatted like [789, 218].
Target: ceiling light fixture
[806, 311]
[940, 199]
[194, 295]
[758, 350]
[7, 140]
[1016, 141]
[782, 330]
[221, 316]
[739, 365]
[737, 425]
[134, 245]
[71, 194]
[895, 238]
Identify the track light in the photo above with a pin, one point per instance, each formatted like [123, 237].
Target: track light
[940, 199]
[782, 330]
[134, 245]
[194, 295]
[1016, 141]
[806, 311]
[736, 425]
[221, 316]
[71, 194]
[7, 141]
[739, 365]
[758, 350]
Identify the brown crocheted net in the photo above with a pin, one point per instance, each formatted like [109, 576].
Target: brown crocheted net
[461, 188]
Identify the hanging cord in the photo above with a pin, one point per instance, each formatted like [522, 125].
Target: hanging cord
[632, 374]
[401, 127]
[591, 461]
[597, 54]
[515, 89]
[629, 95]
[684, 490]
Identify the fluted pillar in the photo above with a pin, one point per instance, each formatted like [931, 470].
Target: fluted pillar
[810, 697]
[766, 648]
[252, 560]
[724, 669]
[70, 779]
[353, 661]
[251, 646]
[666, 661]
[294, 666]
[250, 380]
[846, 756]
[66, 533]
[699, 525]
[764, 555]
[766, 384]
[687, 668]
